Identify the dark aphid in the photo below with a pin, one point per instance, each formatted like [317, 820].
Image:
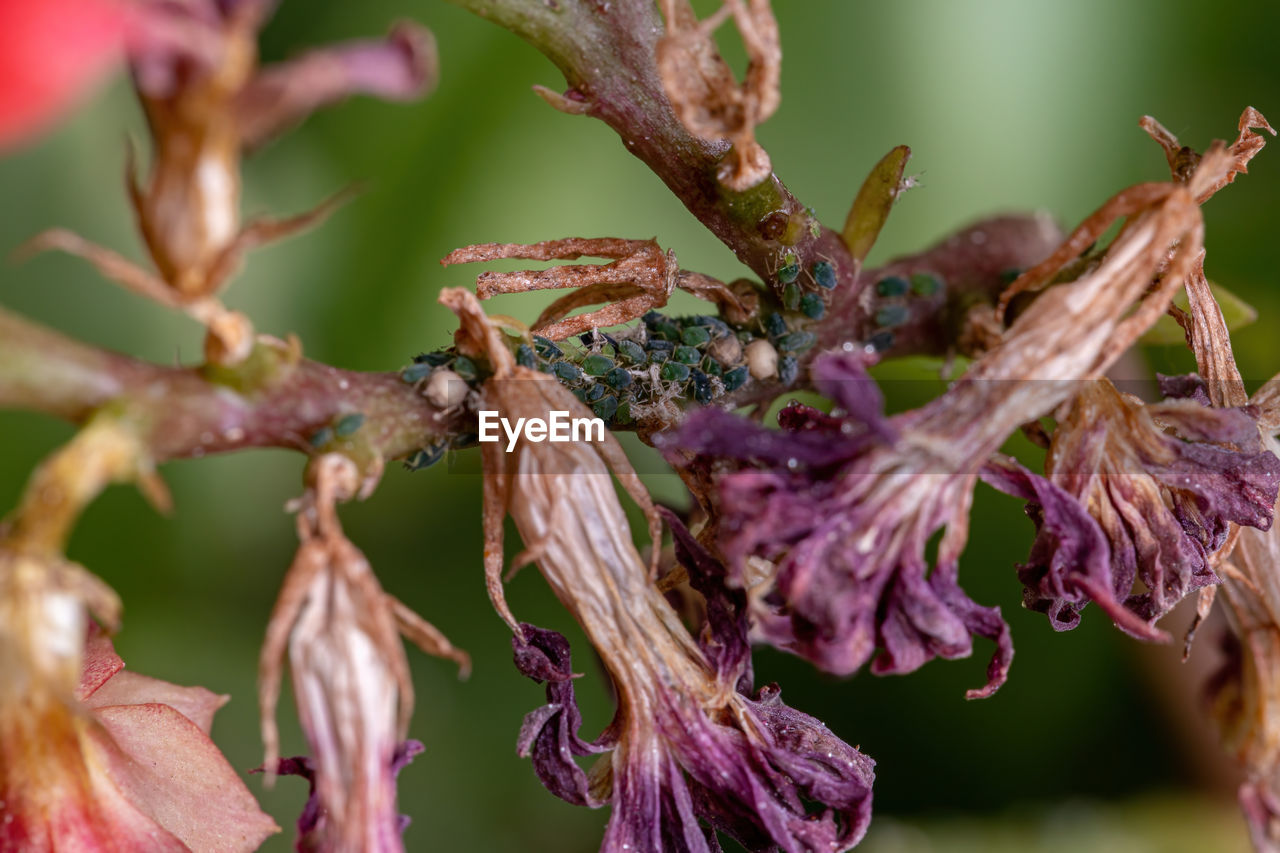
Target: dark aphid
[797, 341]
[425, 458]
[702, 390]
[812, 306]
[597, 365]
[465, 368]
[925, 284]
[791, 296]
[606, 407]
[631, 351]
[715, 324]
[687, 355]
[348, 424]
[666, 330]
[881, 341]
[588, 339]
[546, 347]
[674, 371]
[526, 357]
[623, 415]
[321, 437]
[889, 316]
[790, 269]
[736, 378]
[824, 274]
[610, 340]
[659, 356]
[416, 372]
[894, 285]
[775, 325]
[566, 372]
[695, 336]
[788, 369]
[464, 440]
[652, 318]
[435, 359]
[659, 345]
[619, 377]
[595, 392]
[580, 393]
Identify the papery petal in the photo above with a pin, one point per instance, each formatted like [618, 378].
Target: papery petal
[401, 67]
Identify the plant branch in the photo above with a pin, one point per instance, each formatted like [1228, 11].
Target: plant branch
[275, 399]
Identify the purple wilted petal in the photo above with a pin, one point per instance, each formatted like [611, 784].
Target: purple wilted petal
[844, 519]
[1187, 386]
[549, 735]
[724, 639]
[679, 773]
[1162, 483]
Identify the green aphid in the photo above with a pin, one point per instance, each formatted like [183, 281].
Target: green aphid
[623, 415]
[465, 368]
[416, 372]
[925, 284]
[631, 351]
[434, 359]
[566, 372]
[595, 392]
[674, 371]
[711, 367]
[321, 437]
[797, 341]
[659, 356]
[812, 306]
[619, 377]
[894, 285]
[526, 357]
[790, 269]
[597, 365]
[791, 296]
[580, 393]
[348, 424]
[546, 347]
[695, 336]
[824, 274]
[889, 316]
[687, 355]
[606, 407]
[736, 378]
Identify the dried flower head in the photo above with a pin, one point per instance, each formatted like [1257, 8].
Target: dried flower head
[703, 91]
[640, 278]
[206, 102]
[93, 758]
[350, 676]
[685, 746]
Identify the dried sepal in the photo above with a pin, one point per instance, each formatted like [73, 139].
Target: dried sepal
[875, 199]
[640, 278]
[351, 678]
[703, 91]
[1184, 160]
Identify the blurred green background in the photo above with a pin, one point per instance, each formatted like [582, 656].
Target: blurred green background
[1095, 743]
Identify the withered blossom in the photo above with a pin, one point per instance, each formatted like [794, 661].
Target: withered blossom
[207, 102]
[95, 758]
[1164, 481]
[841, 509]
[702, 88]
[687, 754]
[640, 278]
[350, 677]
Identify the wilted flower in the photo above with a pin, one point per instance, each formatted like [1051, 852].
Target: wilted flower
[350, 677]
[206, 101]
[685, 746]
[842, 508]
[94, 758]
